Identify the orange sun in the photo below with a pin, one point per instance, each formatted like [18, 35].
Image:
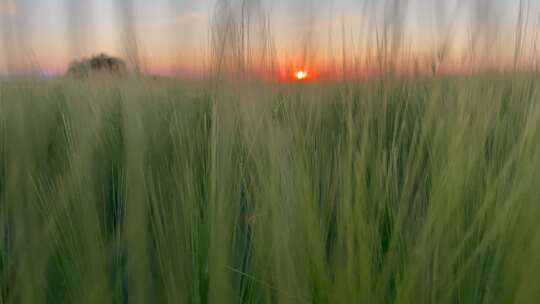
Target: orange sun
[301, 75]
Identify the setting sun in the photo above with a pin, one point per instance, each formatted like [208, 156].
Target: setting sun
[301, 75]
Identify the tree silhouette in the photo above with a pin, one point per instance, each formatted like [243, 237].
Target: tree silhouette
[98, 64]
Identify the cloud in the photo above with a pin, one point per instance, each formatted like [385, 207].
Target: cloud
[183, 18]
[189, 16]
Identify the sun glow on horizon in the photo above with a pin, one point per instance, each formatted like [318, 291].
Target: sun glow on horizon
[301, 75]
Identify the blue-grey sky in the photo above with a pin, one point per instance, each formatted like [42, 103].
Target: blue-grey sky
[174, 34]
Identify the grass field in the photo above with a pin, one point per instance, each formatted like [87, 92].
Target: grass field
[158, 191]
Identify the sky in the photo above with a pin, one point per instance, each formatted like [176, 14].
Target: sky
[173, 36]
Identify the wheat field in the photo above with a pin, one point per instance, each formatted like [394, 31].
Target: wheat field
[163, 191]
